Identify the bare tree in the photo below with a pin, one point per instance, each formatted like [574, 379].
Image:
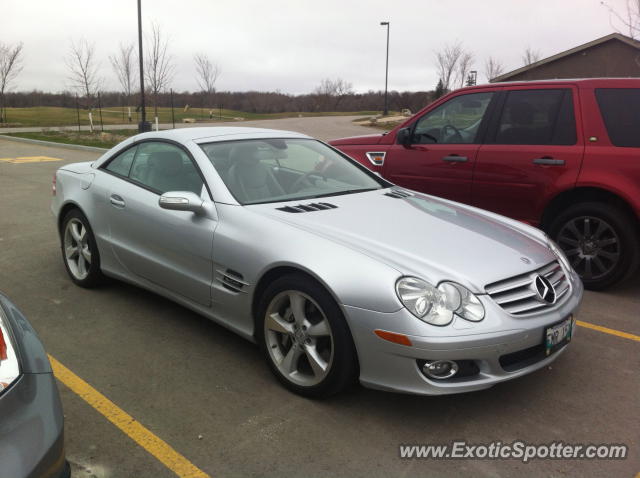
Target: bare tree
[447, 62]
[465, 62]
[629, 20]
[123, 63]
[10, 67]
[207, 74]
[493, 68]
[331, 92]
[530, 56]
[83, 69]
[159, 67]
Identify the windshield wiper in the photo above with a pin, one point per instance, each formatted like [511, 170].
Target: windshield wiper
[304, 198]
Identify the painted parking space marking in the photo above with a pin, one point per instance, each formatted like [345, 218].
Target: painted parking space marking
[158, 448]
[606, 330]
[29, 159]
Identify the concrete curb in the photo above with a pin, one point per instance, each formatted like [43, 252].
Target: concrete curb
[53, 143]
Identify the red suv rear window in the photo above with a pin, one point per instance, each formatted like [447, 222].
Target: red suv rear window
[620, 109]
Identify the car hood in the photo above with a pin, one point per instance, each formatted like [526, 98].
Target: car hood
[365, 139]
[424, 236]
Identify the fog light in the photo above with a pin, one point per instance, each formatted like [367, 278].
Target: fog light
[440, 369]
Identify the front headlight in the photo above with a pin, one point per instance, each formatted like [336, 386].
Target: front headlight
[562, 257]
[9, 367]
[437, 305]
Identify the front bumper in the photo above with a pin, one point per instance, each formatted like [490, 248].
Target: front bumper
[389, 366]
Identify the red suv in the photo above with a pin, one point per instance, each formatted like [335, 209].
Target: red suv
[563, 155]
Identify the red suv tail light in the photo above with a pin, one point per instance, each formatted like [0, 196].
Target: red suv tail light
[9, 367]
[3, 347]
[53, 185]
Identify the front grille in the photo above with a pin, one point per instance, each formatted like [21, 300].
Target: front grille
[518, 296]
[522, 358]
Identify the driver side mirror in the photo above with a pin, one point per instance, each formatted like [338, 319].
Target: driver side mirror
[181, 201]
[404, 136]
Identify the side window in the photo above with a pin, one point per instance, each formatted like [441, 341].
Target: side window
[456, 121]
[121, 164]
[537, 117]
[620, 108]
[164, 167]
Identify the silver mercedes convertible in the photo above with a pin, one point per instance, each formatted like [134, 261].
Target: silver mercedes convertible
[336, 273]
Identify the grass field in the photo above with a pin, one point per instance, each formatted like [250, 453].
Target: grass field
[107, 139]
[57, 116]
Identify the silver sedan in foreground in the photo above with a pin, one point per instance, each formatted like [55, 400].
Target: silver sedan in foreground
[336, 273]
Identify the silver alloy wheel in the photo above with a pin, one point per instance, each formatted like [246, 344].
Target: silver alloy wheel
[299, 338]
[76, 248]
[591, 245]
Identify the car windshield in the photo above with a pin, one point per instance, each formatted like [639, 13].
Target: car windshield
[272, 170]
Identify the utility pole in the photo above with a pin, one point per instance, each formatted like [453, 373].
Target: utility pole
[78, 112]
[142, 125]
[386, 75]
[173, 117]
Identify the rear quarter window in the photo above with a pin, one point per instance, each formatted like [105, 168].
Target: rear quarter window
[620, 109]
[121, 164]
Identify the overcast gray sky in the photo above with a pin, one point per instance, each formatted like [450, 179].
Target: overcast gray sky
[290, 45]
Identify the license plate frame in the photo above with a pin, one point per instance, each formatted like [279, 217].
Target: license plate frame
[558, 335]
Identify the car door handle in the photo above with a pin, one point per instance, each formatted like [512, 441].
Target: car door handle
[116, 200]
[454, 158]
[549, 161]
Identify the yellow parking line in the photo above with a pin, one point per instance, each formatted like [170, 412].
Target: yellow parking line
[127, 424]
[606, 330]
[29, 159]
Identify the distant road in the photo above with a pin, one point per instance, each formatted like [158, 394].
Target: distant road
[321, 127]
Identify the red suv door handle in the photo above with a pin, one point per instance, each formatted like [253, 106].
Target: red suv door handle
[454, 158]
[549, 161]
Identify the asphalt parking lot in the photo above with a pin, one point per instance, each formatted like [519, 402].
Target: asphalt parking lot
[209, 396]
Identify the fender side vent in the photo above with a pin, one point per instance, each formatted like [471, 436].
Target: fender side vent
[398, 194]
[231, 280]
[314, 206]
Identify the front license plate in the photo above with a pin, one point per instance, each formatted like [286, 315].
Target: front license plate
[558, 335]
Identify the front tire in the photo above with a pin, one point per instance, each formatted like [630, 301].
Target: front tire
[600, 241]
[305, 338]
[80, 251]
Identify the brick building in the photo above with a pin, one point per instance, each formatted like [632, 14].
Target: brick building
[614, 55]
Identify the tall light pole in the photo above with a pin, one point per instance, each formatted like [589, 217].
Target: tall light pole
[143, 125]
[386, 75]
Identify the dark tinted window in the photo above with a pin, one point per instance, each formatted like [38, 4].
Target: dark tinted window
[620, 108]
[164, 167]
[537, 117]
[121, 164]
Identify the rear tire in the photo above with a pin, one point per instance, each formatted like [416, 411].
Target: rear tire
[80, 251]
[305, 338]
[600, 241]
